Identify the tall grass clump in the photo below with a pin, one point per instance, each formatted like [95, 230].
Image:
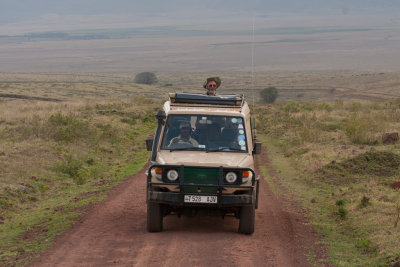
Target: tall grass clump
[358, 129]
[67, 127]
[309, 130]
[72, 167]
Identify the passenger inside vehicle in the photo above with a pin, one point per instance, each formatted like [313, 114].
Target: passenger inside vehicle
[183, 140]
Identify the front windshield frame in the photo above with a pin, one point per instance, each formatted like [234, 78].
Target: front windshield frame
[229, 133]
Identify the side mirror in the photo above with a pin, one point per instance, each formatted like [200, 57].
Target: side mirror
[257, 148]
[149, 144]
[161, 115]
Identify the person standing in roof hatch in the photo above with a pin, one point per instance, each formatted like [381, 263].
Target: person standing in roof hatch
[211, 85]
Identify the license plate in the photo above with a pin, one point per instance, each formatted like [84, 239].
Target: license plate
[200, 199]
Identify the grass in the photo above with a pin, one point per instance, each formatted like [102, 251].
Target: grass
[299, 86]
[341, 176]
[72, 154]
[330, 214]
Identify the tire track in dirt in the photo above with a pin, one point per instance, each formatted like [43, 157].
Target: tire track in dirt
[113, 233]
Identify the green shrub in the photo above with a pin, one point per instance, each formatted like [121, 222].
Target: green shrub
[365, 245]
[342, 212]
[365, 202]
[145, 78]
[72, 168]
[80, 179]
[90, 161]
[340, 202]
[269, 94]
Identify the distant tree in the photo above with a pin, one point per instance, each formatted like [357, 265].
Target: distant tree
[145, 78]
[269, 94]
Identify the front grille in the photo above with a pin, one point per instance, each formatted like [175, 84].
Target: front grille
[200, 176]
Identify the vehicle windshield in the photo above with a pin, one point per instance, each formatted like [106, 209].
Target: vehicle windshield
[204, 132]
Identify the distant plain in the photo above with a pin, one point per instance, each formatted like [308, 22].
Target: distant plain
[363, 45]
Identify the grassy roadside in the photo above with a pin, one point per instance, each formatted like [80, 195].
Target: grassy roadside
[342, 250]
[340, 170]
[73, 154]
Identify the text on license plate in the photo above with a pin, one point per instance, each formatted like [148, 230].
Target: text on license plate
[200, 199]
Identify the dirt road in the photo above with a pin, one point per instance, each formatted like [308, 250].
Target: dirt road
[113, 233]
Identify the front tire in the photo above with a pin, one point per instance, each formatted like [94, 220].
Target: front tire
[154, 217]
[246, 224]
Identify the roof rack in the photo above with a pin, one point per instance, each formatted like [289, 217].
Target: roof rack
[227, 100]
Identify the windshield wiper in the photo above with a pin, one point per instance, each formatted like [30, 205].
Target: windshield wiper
[185, 148]
[235, 149]
[223, 149]
[213, 149]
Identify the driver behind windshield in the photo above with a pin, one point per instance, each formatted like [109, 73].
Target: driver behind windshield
[183, 140]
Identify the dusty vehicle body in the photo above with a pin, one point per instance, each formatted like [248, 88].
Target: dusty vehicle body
[210, 166]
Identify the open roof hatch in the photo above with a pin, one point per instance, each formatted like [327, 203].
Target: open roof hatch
[227, 100]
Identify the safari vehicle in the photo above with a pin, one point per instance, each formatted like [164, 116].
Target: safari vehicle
[203, 158]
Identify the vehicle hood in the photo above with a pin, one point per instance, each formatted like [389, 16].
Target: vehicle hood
[202, 158]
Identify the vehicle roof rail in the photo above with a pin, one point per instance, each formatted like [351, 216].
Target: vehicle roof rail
[190, 98]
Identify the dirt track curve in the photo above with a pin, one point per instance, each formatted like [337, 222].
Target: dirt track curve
[113, 233]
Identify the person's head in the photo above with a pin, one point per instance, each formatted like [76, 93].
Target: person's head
[184, 128]
[211, 84]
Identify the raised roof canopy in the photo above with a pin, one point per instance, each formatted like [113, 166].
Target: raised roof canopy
[227, 100]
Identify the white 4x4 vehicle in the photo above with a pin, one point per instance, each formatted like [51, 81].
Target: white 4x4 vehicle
[203, 158]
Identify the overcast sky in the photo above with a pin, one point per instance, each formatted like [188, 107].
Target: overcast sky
[25, 11]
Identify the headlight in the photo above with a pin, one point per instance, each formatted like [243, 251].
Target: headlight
[231, 177]
[172, 175]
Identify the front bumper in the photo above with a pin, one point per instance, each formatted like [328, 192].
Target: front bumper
[246, 198]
